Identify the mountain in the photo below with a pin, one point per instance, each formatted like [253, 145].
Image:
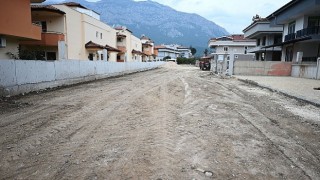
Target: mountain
[159, 22]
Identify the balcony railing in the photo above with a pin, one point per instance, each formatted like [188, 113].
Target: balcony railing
[47, 39]
[315, 30]
[290, 37]
[308, 31]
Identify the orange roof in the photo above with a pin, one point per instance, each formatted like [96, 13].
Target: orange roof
[91, 44]
[160, 47]
[46, 8]
[234, 37]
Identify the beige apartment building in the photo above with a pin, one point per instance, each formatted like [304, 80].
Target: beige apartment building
[71, 31]
[129, 45]
[147, 49]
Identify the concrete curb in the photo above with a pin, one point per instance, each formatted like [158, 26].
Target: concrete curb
[299, 98]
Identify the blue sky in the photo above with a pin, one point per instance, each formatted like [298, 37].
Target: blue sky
[233, 15]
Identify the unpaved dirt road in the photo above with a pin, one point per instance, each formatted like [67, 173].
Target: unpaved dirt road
[176, 122]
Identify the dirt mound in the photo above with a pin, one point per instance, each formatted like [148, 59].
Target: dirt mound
[170, 64]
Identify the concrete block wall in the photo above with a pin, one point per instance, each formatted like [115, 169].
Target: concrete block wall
[262, 68]
[23, 76]
[305, 71]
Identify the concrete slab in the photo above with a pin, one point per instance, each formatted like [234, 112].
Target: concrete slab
[299, 88]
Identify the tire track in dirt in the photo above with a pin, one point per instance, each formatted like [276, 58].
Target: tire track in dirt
[81, 115]
[279, 139]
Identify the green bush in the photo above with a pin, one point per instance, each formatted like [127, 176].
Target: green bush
[182, 60]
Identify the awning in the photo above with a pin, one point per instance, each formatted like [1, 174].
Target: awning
[289, 42]
[92, 45]
[111, 49]
[95, 46]
[136, 52]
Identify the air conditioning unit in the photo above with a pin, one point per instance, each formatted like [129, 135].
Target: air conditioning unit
[3, 42]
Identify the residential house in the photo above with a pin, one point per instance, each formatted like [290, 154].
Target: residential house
[16, 25]
[74, 31]
[265, 35]
[147, 49]
[301, 30]
[164, 51]
[234, 44]
[52, 43]
[129, 45]
[184, 52]
[173, 51]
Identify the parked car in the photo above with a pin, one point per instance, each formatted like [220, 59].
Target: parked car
[205, 65]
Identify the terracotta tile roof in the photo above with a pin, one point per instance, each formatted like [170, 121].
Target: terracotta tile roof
[37, 1]
[160, 47]
[137, 52]
[234, 37]
[119, 28]
[112, 49]
[91, 44]
[145, 37]
[74, 4]
[46, 8]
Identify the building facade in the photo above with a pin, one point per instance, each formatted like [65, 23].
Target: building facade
[173, 51]
[129, 45]
[301, 30]
[234, 44]
[147, 49]
[265, 35]
[71, 31]
[16, 25]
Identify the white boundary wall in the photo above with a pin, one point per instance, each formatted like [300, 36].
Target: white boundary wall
[23, 76]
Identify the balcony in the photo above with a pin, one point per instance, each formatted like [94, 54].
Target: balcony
[303, 33]
[123, 49]
[290, 37]
[147, 52]
[47, 39]
[308, 31]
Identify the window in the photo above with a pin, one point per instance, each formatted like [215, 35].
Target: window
[51, 56]
[245, 49]
[225, 49]
[44, 26]
[264, 40]
[101, 57]
[100, 35]
[257, 56]
[314, 21]
[289, 54]
[40, 55]
[292, 28]
[258, 42]
[90, 57]
[97, 34]
[119, 39]
[277, 39]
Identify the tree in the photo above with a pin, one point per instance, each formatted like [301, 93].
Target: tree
[167, 57]
[193, 50]
[206, 52]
